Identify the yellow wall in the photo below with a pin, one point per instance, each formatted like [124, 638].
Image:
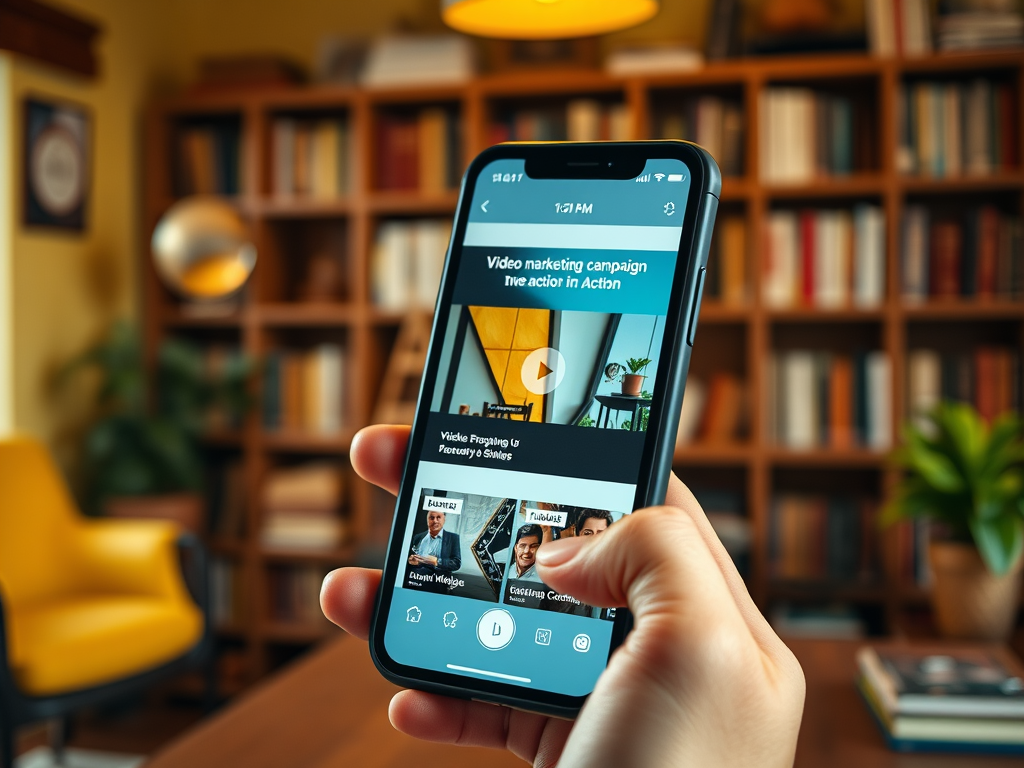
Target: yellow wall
[6, 195]
[64, 288]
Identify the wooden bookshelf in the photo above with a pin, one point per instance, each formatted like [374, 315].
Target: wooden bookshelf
[268, 314]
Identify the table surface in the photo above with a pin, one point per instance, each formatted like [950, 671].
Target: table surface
[329, 710]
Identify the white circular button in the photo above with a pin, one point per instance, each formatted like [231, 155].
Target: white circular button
[543, 370]
[495, 629]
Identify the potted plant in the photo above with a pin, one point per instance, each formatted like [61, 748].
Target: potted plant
[968, 478]
[633, 382]
[143, 455]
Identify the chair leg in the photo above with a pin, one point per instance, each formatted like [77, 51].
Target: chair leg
[210, 684]
[6, 744]
[60, 732]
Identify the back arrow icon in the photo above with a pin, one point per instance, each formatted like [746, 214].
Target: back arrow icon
[483, 205]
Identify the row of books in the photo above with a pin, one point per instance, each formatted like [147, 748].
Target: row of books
[227, 500]
[979, 24]
[819, 399]
[301, 507]
[727, 268]
[579, 120]
[963, 698]
[979, 253]
[715, 412]
[406, 263]
[899, 27]
[303, 390]
[808, 134]
[957, 128]
[419, 151]
[825, 258]
[311, 157]
[208, 160]
[294, 594]
[713, 122]
[822, 537]
[988, 377]
[227, 596]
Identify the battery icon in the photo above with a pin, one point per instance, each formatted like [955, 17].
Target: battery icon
[675, 177]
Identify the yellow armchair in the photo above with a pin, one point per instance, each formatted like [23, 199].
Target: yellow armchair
[89, 609]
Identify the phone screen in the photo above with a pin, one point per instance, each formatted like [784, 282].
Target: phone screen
[537, 419]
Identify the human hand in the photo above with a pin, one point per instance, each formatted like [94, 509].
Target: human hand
[701, 680]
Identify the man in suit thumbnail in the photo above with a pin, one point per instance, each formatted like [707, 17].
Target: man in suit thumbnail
[435, 554]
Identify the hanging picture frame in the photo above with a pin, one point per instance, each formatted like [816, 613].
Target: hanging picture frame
[58, 166]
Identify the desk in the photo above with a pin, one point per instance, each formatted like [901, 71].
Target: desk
[629, 403]
[329, 710]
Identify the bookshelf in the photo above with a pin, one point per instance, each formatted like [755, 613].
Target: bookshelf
[736, 338]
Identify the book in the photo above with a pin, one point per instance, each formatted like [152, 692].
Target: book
[405, 60]
[303, 390]
[807, 134]
[723, 410]
[825, 258]
[818, 399]
[301, 507]
[983, 681]
[653, 59]
[310, 157]
[692, 410]
[406, 263]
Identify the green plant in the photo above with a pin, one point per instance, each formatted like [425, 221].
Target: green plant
[968, 476]
[587, 421]
[141, 445]
[637, 365]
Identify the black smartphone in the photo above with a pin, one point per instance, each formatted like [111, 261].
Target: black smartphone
[548, 408]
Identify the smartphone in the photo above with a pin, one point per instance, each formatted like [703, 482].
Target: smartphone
[548, 408]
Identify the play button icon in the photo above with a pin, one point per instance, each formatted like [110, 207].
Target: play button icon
[543, 370]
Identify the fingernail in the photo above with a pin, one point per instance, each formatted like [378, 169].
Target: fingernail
[556, 553]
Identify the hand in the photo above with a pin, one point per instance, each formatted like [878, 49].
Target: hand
[701, 680]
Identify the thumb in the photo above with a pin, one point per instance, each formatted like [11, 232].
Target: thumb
[654, 560]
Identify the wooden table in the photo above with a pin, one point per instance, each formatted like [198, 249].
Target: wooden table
[329, 710]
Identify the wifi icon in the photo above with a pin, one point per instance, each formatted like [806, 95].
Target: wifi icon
[659, 176]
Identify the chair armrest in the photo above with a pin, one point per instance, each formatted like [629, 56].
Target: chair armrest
[135, 557]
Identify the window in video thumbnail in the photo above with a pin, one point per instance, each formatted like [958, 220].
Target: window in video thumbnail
[539, 523]
[460, 544]
[589, 369]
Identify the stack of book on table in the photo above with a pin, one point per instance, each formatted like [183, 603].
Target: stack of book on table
[945, 699]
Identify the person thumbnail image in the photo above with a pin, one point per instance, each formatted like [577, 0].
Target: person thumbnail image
[524, 553]
[445, 525]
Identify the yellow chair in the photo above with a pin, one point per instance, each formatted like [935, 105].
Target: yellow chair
[90, 610]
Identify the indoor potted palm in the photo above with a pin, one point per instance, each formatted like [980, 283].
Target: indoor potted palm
[143, 454]
[633, 382]
[967, 477]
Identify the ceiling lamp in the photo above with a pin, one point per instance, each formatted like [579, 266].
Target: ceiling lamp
[544, 19]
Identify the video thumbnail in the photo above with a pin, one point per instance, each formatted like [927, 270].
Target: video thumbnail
[460, 544]
[539, 523]
[588, 369]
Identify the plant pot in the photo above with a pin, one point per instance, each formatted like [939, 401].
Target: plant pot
[186, 509]
[969, 601]
[632, 384]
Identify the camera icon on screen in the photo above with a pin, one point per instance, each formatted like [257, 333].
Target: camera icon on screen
[581, 643]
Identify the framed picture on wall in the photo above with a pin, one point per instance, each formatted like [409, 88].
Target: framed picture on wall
[57, 164]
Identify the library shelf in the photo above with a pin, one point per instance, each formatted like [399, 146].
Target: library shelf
[411, 202]
[227, 546]
[307, 313]
[992, 182]
[336, 556]
[303, 208]
[708, 453]
[828, 187]
[222, 438]
[961, 309]
[825, 457]
[826, 315]
[288, 230]
[306, 442]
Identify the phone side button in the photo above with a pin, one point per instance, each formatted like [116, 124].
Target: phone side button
[691, 330]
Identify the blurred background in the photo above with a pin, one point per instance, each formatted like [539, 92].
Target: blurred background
[222, 226]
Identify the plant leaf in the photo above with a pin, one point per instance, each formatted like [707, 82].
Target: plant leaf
[999, 540]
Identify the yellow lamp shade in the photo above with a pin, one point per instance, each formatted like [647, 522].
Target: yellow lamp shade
[544, 19]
